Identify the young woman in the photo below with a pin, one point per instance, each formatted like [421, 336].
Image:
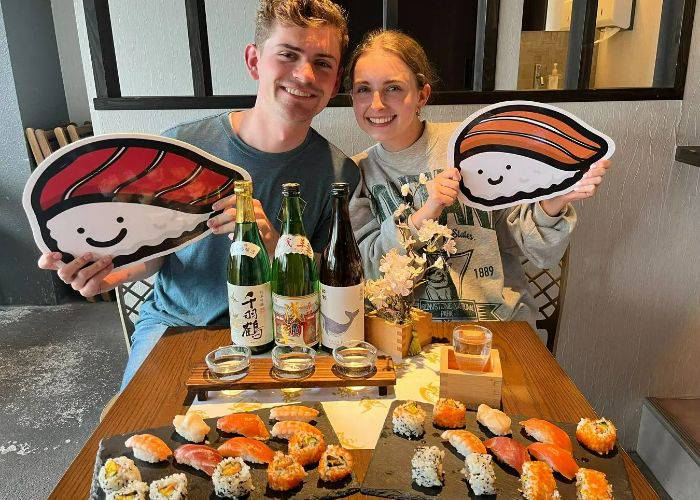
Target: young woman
[389, 78]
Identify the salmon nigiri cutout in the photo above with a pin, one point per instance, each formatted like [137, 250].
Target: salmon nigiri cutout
[131, 196]
[519, 152]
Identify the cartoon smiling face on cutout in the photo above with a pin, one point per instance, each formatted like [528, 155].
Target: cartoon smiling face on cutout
[133, 197]
[518, 152]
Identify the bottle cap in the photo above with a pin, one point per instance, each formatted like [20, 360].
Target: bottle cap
[242, 187]
[340, 188]
[290, 189]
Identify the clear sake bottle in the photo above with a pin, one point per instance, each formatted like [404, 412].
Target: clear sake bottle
[294, 277]
[249, 290]
[341, 278]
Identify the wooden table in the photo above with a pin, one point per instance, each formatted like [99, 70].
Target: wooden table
[534, 385]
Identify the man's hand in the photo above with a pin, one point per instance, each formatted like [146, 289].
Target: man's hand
[89, 280]
[442, 192]
[226, 221]
[585, 188]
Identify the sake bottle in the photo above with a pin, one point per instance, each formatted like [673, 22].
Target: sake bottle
[294, 277]
[249, 292]
[341, 278]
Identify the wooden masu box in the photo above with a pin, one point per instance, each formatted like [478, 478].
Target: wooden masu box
[393, 338]
[471, 388]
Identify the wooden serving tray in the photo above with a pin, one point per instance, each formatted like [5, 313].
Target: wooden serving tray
[259, 375]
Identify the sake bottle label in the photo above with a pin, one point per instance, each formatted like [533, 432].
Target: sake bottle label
[294, 243]
[342, 314]
[250, 310]
[296, 319]
[244, 248]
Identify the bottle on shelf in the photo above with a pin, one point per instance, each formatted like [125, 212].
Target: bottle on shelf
[249, 290]
[294, 277]
[341, 278]
[553, 78]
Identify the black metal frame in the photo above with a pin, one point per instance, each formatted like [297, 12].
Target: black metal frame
[677, 16]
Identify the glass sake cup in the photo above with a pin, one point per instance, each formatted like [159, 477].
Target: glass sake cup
[228, 361]
[293, 361]
[472, 345]
[355, 359]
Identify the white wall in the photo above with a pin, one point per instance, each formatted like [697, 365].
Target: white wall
[631, 316]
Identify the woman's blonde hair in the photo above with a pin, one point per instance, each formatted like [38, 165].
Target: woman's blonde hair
[405, 47]
[303, 14]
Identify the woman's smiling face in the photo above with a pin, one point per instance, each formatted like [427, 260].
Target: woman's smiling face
[385, 98]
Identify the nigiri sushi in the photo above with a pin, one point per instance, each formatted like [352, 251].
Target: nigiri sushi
[464, 442]
[508, 451]
[191, 426]
[479, 472]
[558, 459]
[408, 419]
[547, 432]
[494, 420]
[285, 430]
[592, 485]
[336, 463]
[597, 435]
[537, 482]
[250, 450]
[449, 413]
[148, 448]
[247, 424]
[199, 456]
[293, 412]
[284, 473]
[232, 478]
[172, 487]
[116, 473]
[306, 447]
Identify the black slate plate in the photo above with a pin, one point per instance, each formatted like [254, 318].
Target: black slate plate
[389, 473]
[200, 485]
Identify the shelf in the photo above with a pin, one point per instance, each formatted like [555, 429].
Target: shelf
[689, 155]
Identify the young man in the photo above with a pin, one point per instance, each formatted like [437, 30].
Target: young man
[296, 59]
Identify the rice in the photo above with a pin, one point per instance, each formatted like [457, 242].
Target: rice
[232, 478]
[537, 482]
[116, 473]
[426, 466]
[592, 485]
[173, 487]
[479, 472]
[408, 419]
[135, 490]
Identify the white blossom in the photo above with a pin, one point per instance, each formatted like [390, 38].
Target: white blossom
[400, 210]
[422, 178]
[450, 246]
[439, 263]
[405, 190]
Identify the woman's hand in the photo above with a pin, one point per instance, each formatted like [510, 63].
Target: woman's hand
[442, 192]
[88, 280]
[226, 221]
[584, 188]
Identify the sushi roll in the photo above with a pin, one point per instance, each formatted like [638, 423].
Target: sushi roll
[285, 430]
[426, 466]
[117, 473]
[592, 485]
[335, 464]
[232, 478]
[192, 427]
[560, 460]
[199, 456]
[135, 490]
[306, 447]
[547, 432]
[293, 412]
[464, 442]
[449, 413]
[537, 482]
[250, 450]
[494, 420]
[508, 451]
[408, 419]
[597, 435]
[148, 448]
[479, 472]
[173, 487]
[249, 425]
[284, 473]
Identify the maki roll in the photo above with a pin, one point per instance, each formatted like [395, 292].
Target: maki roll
[117, 473]
[537, 482]
[408, 419]
[426, 466]
[135, 490]
[592, 485]
[335, 464]
[232, 479]
[173, 487]
[449, 413]
[480, 474]
[306, 447]
[597, 435]
[284, 473]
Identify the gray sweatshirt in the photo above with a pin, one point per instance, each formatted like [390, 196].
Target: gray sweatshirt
[484, 279]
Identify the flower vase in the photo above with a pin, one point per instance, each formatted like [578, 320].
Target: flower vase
[395, 338]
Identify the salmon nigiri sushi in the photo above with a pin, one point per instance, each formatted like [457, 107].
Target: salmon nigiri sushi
[464, 442]
[558, 459]
[293, 412]
[148, 448]
[199, 456]
[508, 451]
[547, 432]
[449, 413]
[249, 425]
[284, 473]
[285, 430]
[250, 450]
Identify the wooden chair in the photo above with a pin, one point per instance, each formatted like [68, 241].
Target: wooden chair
[548, 287]
[130, 298]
